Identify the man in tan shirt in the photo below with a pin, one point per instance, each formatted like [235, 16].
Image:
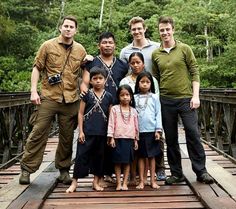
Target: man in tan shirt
[58, 64]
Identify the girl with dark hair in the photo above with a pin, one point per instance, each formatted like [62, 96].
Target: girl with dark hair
[150, 126]
[123, 134]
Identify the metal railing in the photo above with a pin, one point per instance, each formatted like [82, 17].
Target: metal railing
[217, 118]
[15, 111]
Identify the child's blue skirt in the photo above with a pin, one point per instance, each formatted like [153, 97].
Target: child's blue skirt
[147, 145]
[124, 151]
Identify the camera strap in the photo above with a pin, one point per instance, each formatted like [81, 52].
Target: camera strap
[67, 57]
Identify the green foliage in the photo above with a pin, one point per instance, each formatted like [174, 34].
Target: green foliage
[25, 25]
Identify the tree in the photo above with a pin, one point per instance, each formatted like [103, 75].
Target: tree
[207, 26]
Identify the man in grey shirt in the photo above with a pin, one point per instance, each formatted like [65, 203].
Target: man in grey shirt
[140, 43]
[146, 47]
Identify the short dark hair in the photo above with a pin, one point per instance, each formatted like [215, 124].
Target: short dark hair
[166, 19]
[138, 54]
[70, 17]
[106, 35]
[140, 76]
[97, 70]
[128, 88]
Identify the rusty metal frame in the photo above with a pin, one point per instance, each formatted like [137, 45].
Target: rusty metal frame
[15, 111]
[217, 118]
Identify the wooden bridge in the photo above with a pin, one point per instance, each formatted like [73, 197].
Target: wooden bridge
[217, 119]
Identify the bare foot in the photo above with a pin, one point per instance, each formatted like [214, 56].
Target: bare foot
[125, 187]
[118, 187]
[97, 187]
[140, 185]
[72, 187]
[154, 185]
[102, 183]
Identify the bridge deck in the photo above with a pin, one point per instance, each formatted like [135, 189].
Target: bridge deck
[44, 192]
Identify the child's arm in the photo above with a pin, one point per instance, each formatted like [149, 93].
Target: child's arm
[85, 82]
[158, 131]
[158, 134]
[81, 121]
[135, 144]
[111, 124]
[136, 125]
[112, 142]
[136, 130]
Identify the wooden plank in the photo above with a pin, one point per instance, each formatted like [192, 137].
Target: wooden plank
[219, 202]
[211, 153]
[90, 193]
[182, 205]
[225, 179]
[227, 165]
[116, 200]
[111, 187]
[33, 204]
[207, 194]
[37, 190]
[232, 171]
[217, 158]
[13, 189]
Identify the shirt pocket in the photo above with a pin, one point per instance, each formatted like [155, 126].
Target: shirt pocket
[75, 63]
[54, 60]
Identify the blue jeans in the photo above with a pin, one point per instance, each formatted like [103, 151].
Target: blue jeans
[171, 110]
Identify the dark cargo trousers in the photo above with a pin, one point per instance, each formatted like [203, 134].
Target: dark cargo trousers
[160, 164]
[171, 109]
[37, 140]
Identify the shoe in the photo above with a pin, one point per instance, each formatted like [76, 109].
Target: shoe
[64, 177]
[24, 177]
[205, 178]
[161, 175]
[174, 179]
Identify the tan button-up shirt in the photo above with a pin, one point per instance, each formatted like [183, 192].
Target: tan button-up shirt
[51, 59]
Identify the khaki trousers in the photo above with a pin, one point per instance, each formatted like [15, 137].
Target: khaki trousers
[37, 140]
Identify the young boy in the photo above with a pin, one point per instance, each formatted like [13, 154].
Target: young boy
[93, 117]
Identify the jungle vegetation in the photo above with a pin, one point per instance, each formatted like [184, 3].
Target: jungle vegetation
[207, 26]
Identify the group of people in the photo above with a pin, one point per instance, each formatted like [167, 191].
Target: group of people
[125, 107]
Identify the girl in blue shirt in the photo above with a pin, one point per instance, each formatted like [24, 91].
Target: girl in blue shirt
[150, 126]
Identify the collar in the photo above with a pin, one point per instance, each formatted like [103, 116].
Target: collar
[176, 44]
[148, 44]
[60, 40]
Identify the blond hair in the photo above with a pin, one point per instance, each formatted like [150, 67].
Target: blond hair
[135, 20]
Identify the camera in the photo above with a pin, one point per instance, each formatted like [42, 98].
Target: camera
[54, 79]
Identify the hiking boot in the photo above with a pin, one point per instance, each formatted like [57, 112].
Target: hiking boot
[24, 177]
[64, 177]
[161, 175]
[174, 179]
[205, 178]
